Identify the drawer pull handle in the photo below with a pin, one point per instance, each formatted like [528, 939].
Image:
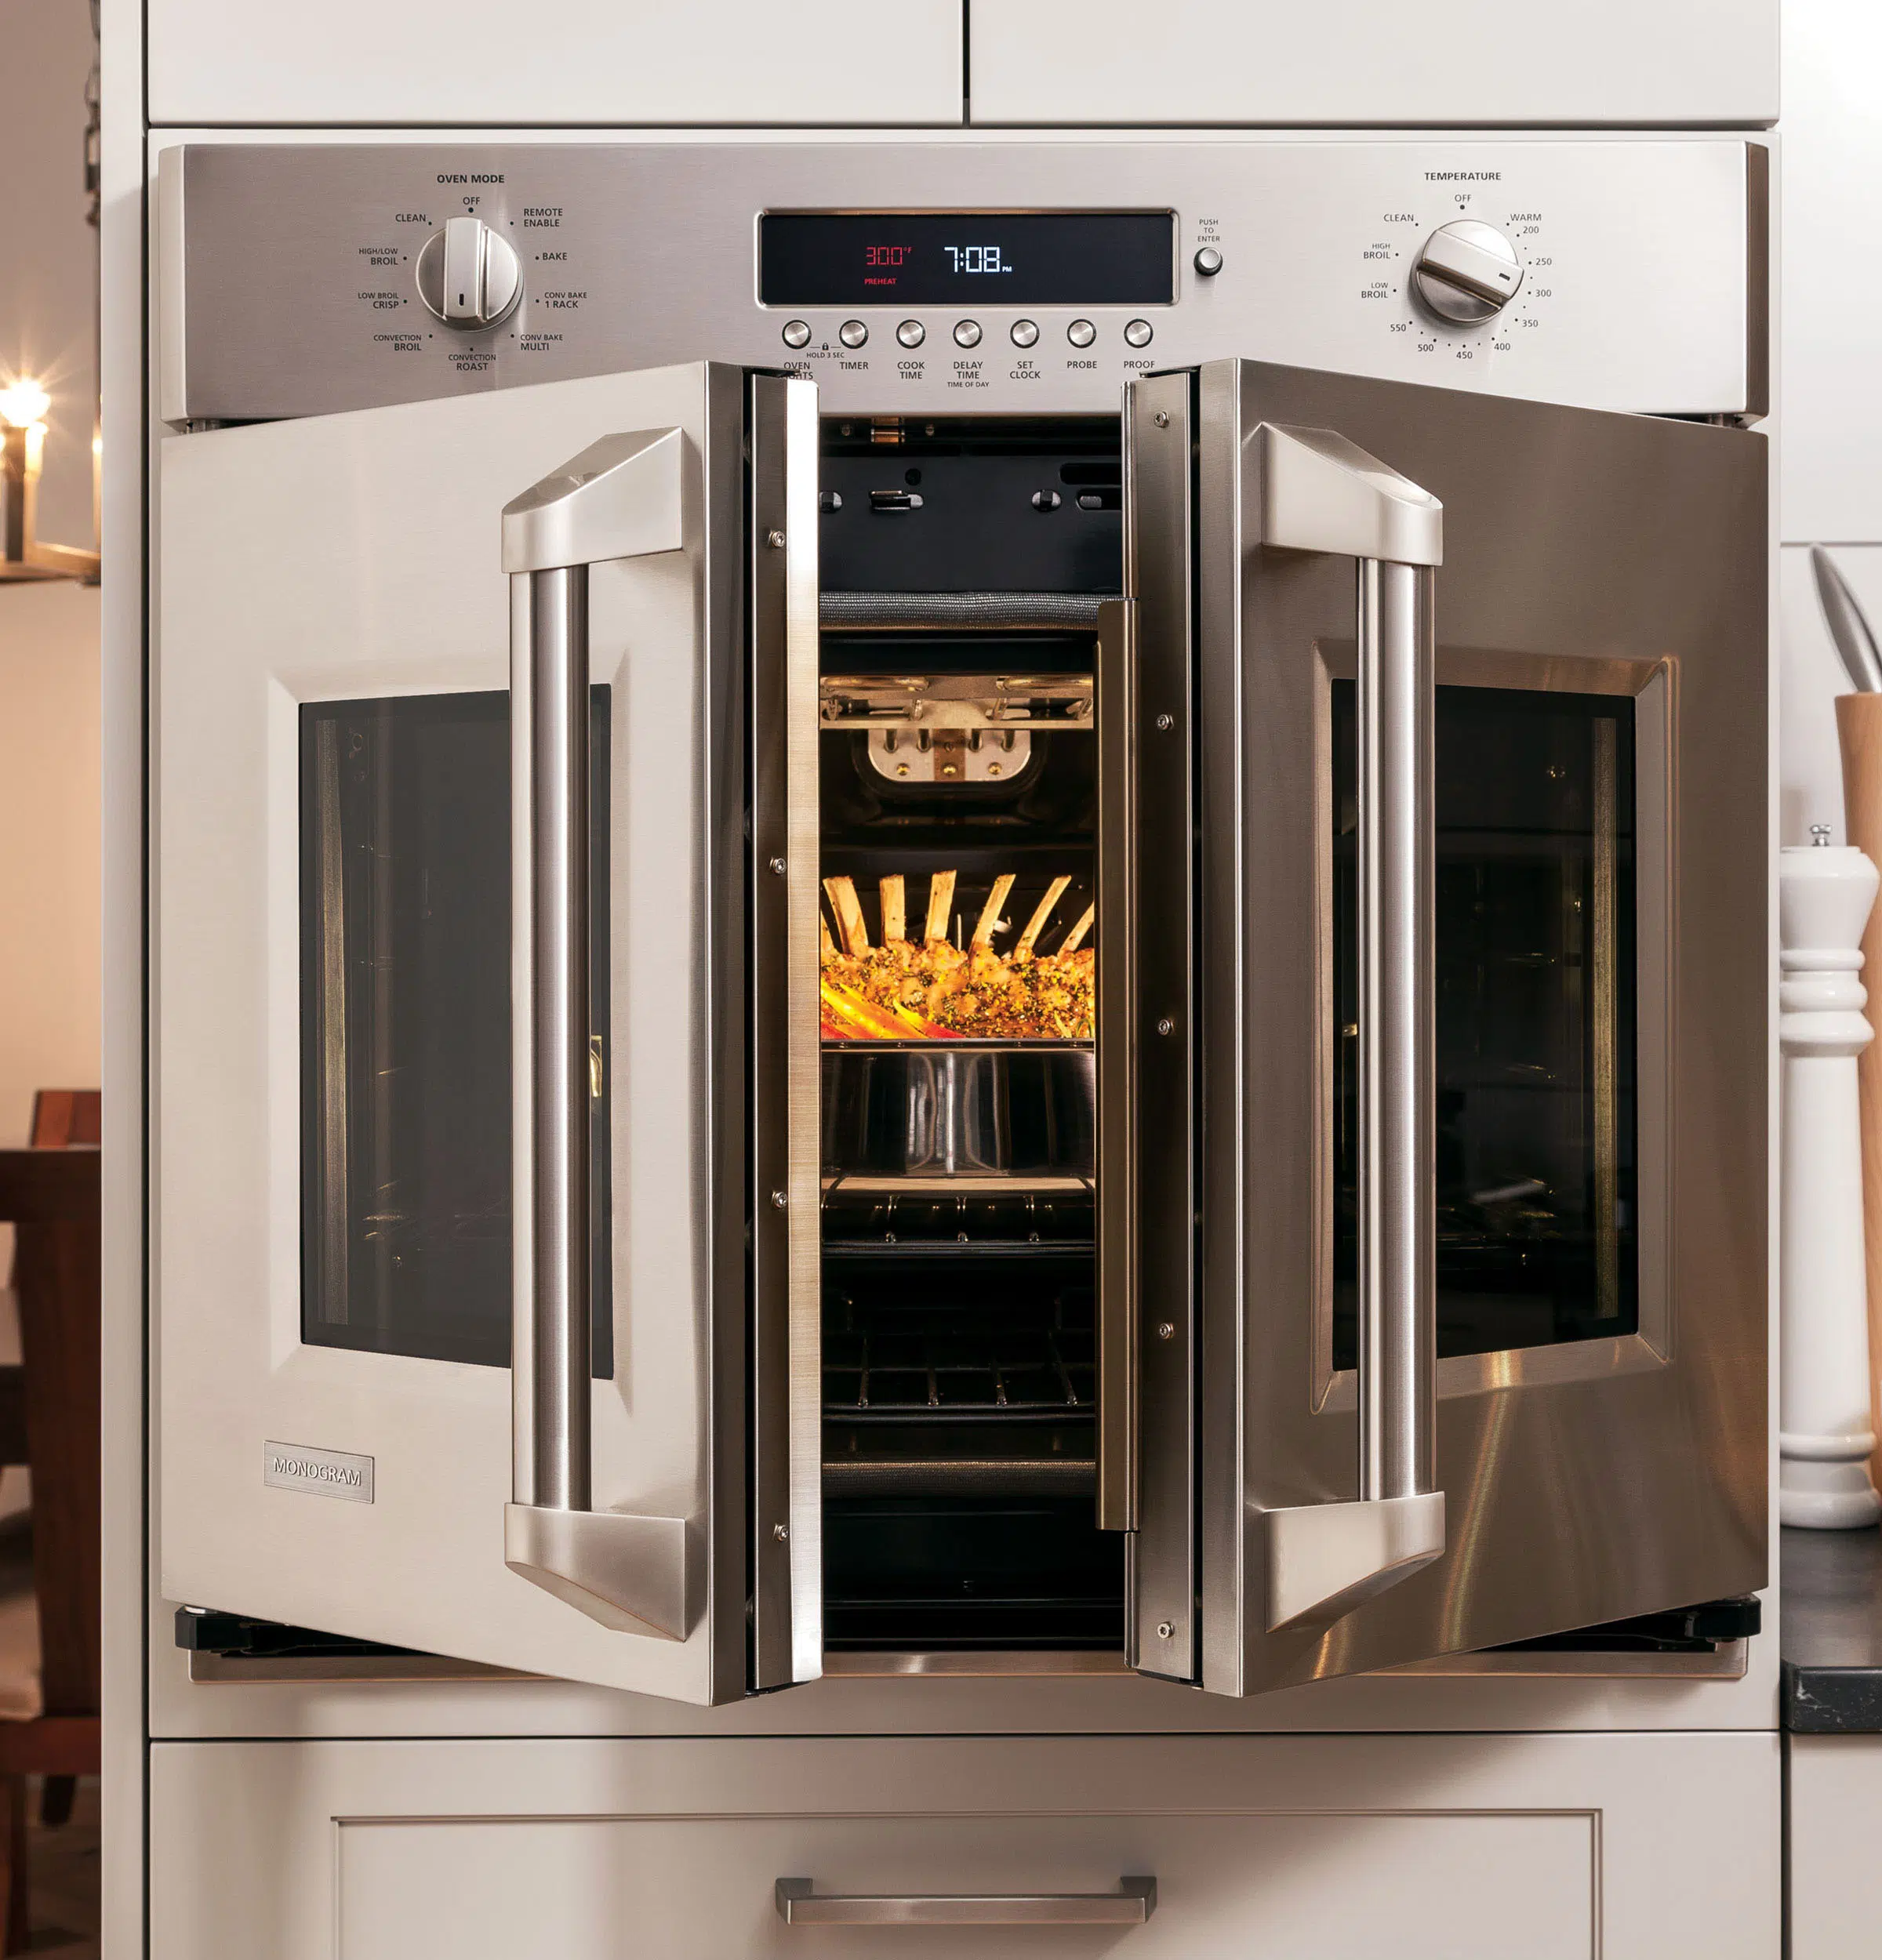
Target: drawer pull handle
[1130, 1905]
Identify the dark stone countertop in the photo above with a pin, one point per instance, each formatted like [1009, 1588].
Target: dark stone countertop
[1829, 1631]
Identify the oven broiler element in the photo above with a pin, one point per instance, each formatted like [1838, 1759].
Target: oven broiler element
[970, 702]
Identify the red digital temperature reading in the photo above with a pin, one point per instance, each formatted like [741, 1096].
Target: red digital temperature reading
[887, 255]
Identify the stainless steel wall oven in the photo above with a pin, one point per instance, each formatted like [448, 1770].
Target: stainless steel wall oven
[843, 1004]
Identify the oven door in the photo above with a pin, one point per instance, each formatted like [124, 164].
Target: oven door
[339, 939]
[1433, 1179]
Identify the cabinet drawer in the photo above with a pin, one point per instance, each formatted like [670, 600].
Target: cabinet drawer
[1296, 1848]
[1420, 1887]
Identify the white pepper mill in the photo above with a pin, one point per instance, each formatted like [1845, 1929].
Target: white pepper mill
[1824, 893]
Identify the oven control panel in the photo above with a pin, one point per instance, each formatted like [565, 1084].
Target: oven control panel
[1020, 274]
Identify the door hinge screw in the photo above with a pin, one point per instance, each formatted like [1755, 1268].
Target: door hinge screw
[1165, 1630]
[776, 540]
[1166, 722]
[1166, 1329]
[778, 1199]
[1166, 1026]
[1163, 419]
[777, 864]
[780, 1532]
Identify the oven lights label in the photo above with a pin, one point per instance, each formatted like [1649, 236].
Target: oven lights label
[321, 1473]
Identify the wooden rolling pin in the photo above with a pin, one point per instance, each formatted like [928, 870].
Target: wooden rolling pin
[1859, 735]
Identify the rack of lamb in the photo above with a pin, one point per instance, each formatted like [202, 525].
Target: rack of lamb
[931, 989]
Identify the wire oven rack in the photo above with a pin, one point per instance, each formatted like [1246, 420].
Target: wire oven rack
[988, 1370]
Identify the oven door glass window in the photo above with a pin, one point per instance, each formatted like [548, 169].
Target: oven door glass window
[405, 1067]
[1537, 1205]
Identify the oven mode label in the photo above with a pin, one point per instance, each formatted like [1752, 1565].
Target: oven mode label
[326, 1473]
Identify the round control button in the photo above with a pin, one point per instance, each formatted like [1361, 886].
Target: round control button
[967, 333]
[911, 333]
[1208, 262]
[852, 333]
[796, 333]
[1137, 333]
[1081, 333]
[1026, 332]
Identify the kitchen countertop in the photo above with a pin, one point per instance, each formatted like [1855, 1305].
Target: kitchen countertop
[1829, 1631]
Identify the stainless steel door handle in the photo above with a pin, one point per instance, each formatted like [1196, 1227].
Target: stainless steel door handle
[1321, 493]
[1130, 1905]
[620, 499]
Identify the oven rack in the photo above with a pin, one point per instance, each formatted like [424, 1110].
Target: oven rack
[1053, 1217]
[1002, 1372]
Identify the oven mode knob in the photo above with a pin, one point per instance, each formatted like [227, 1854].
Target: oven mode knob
[469, 277]
[1467, 272]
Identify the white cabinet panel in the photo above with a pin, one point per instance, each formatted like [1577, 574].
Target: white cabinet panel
[561, 61]
[1429, 1848]
[1423, 1888]
[1349, 62]
[1836, 1825]
[1832, 280]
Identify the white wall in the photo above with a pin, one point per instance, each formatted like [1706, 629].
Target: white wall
[49, 846]
[48, 633]
[1830, 383]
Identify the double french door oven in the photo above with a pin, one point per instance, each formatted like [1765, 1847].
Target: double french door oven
[790, 1026]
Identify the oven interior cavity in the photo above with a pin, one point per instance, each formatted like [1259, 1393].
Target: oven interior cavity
[962, 565]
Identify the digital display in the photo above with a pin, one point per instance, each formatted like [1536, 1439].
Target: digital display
[968, 258]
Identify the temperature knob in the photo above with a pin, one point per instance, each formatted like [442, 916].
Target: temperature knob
[1467, 272]
[468, 276]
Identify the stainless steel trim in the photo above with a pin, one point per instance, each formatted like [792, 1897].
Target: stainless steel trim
[1321, 493]
[1130, 1905]
[1118, 1333]
[787, 1511]
[620, 498]
[1161, 1630]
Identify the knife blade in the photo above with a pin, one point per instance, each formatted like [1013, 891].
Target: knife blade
[1848, 626]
